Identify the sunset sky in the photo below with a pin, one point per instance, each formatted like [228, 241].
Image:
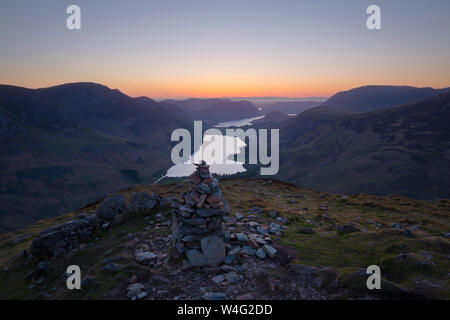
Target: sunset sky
[210, 48]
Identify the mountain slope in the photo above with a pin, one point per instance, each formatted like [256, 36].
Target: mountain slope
[289, 106]
[65, 145]
[217, 110]
[369, 98]
[403, 150]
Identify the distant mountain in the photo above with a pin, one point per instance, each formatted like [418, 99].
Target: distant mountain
[273, 117]
[195, 104]
[295, 107]
[217, 110]
[68, 144]
[402, 150]
[369, 98]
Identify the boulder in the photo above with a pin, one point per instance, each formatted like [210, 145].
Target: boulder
[63, 238]
[213, 249]
[141, 202]
[346, 228]
[196, 258]
[111, 207]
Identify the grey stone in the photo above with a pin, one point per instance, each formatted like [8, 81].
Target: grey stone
[234, 251]
[214, 296]
[261, 230]
[232, 277]
[229, 259]
[446, 235]
[256, 210]
[196, 258]
[142, 295]
[111, 207]
[396, 225]
[238, 216]
[213, 249]
[260, 253]
[271, 251]
[218, 279]
[134, 289]
[62, 238]
[141, 202]
[202, 212]
[241, 237]
[111, 268]
[273, 214]
[248, 250]
[144, 256]
[347, 228]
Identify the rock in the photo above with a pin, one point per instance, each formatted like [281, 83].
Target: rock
[347, 228]
[260, 241]
[229, 259]
[305, 230]
[214, 296]
[111, 268]
[273, 214]
[142, 295]
[209, 212]
[238, 216]
[186, 265]
[247, 296]
[274, 228]
[218, 279]
[111, 207]
[271, 251]
[261, 230]
[196, 258]
[141, 202]
[241, 237]
[260, 253]
[159, 217]
[135, 289]
[213, 249]
[133, 278]
[232, 277]
[235, 250]
[226, 268]
[446, 235]
[105, 226]
[144, 256]
[62, 238]
[255, 210]
[396, 225]
[248, 250]
[281, 219]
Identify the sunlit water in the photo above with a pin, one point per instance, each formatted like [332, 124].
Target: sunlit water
[232, 144]
[238, 123]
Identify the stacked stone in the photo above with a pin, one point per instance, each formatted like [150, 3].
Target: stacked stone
[198, 221]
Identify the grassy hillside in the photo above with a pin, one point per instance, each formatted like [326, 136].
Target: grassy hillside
[404, 237]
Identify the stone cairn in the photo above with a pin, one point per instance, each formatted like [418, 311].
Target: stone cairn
[198, 231]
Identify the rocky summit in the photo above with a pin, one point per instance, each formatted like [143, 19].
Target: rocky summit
[271, 240]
